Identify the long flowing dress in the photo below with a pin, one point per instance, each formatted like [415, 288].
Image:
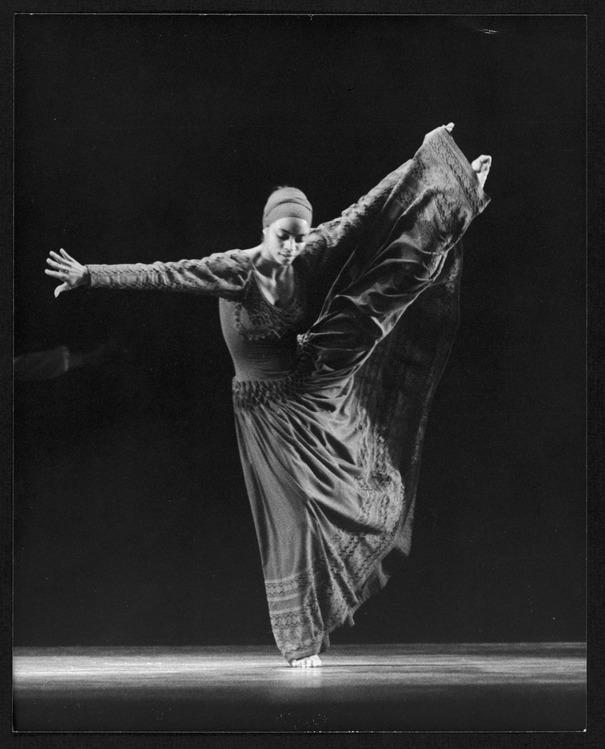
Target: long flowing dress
[331, 391]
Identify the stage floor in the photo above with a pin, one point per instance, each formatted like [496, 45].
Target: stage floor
[445, 687]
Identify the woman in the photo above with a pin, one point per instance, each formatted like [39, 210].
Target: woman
[332, 382]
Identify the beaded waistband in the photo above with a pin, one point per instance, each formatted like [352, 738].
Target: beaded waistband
[251, 393]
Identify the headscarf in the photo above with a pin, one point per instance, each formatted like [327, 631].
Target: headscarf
[287, 201]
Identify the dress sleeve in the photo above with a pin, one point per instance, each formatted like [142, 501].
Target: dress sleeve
[222, 274]
[351, 222]
[436, 189]
[403, 253]
[329, 244]
[438, 165]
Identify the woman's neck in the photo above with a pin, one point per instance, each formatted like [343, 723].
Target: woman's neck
[275, 281]
[266, 266]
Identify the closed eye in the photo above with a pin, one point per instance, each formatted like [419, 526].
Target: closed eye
[297, 237]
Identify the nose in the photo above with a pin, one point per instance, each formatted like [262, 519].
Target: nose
[291, 243]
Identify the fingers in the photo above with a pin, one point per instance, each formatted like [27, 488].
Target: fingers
[63, 257]
[64, 268]
[59, 258]
[60, 267]
[55, 273]
[449, 127]
[481, 166]
[66, 256]
[481, 162]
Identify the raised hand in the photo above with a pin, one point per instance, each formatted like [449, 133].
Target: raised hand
[69, 271]
[481, 165]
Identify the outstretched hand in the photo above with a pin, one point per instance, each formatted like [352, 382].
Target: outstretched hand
[69, 271]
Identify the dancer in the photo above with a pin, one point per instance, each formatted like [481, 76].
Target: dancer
[332, 380]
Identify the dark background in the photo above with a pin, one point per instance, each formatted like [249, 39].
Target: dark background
[158, 137]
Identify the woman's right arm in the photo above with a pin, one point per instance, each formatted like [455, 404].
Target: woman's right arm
[220, 274]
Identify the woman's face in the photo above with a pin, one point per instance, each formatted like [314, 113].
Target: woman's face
[284, 239]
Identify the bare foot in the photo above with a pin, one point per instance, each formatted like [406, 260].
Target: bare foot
[311, 661]
[481, 165]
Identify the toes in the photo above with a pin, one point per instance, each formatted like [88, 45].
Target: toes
[311, 661]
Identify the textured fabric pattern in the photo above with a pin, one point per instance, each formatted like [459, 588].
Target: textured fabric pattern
[223, 274]
[257, 319]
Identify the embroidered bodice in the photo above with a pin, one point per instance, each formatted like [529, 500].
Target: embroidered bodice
[261, 336]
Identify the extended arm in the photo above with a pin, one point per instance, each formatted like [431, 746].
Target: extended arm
[220, 274]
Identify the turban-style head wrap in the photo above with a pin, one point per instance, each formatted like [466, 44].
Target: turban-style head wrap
[287, 201]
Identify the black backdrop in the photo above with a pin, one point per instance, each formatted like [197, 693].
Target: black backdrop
[158, 137]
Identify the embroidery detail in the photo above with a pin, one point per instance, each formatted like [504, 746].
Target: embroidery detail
[447, 151]
[256, 319]
[306, 605]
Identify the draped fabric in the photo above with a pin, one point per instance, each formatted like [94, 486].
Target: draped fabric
[331, 392]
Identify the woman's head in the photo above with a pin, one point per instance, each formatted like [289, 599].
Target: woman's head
[287, 218]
